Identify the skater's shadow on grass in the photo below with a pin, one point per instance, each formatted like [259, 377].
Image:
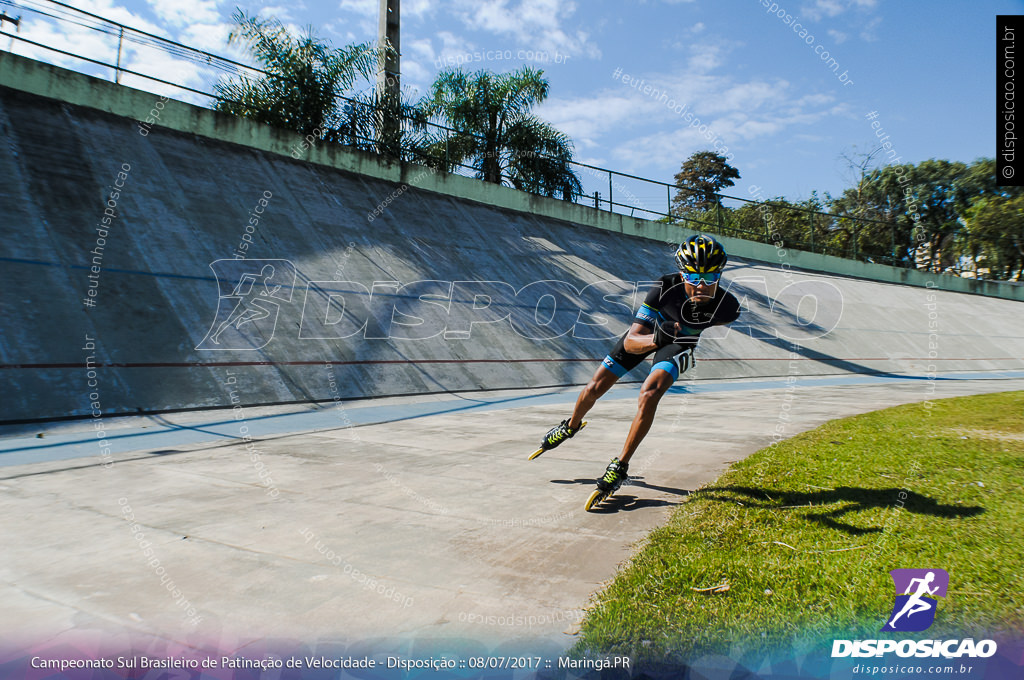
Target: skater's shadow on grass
[849, 500]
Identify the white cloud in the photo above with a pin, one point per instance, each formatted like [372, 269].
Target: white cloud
[868, 33]
[824, 8]
[370, 9]
[209, 37]
[748, 96]
[684, 43]
[366, 8]
[708, 55]
[198, 24]
[363, 27]
[585, 119]
[671, 144]
[838, 36]
[534, 24]
[704, 59]
[109, 10]
[641, 133]
[453, 50]
[416, 79]
[422, 49]
[821, 9]
[179, 15]
[77, 39]
[279, 12]
[418, 8]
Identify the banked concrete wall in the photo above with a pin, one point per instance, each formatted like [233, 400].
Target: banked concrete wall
[123, 294]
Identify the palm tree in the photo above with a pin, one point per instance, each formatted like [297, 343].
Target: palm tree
[499, 136]
[304, 78]
[363, 127]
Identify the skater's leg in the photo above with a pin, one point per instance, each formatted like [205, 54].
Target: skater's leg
[601, 382]
[651, 392]
[668, 364]
[618, 363]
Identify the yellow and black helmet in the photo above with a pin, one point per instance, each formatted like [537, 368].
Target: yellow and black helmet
[701, 254]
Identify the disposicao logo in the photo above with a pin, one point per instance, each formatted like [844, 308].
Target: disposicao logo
[912, 612]
[914, 609]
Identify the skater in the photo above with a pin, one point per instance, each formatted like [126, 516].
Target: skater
[667, 325]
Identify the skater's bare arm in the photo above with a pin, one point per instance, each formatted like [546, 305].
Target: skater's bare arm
[640, 339]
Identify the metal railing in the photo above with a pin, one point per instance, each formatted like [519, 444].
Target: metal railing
[785, 226]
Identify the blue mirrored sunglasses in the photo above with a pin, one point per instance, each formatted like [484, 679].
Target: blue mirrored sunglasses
[707, 278]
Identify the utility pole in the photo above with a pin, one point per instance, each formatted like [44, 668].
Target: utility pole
[389, 76]
[17, 27]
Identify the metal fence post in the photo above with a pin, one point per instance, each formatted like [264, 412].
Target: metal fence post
[117, 68]
[611, 207]
[668, 197]
[892, 232]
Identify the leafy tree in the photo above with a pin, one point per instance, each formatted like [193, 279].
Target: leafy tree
[992, 240]
[702, 175]
[947, 217]
[783, 223]
[980, 181]
[940, 198]
[994, 237]
[871, 220]
[924, 202]
[503, 140]
[304, 78]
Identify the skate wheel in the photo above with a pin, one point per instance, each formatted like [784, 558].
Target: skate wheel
[594, 499]
[536, 453]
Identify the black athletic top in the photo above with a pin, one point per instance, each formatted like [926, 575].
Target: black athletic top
[667, 301]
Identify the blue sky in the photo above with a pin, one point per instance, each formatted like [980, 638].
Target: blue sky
[926, 68]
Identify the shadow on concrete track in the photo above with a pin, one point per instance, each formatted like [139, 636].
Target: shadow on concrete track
[844, 365]
[776, 314]
[854, 499]
[623, 501]
[638, 481]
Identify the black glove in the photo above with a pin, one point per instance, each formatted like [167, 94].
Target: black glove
[665, 333]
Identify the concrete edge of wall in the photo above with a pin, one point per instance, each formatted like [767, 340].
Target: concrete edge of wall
[35, 77]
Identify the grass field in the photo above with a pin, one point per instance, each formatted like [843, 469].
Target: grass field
[793, 545]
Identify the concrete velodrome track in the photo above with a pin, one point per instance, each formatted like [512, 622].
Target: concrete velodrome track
[462, 536]
[349, 461]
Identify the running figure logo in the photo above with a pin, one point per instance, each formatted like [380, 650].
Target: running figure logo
[247, 309]
[916, 590]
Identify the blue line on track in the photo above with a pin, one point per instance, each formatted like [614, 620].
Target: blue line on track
[165, 437]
